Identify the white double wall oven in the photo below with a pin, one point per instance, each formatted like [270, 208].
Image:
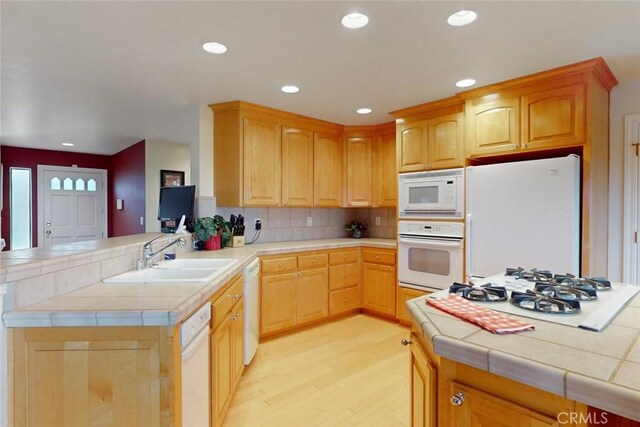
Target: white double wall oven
[430, 229]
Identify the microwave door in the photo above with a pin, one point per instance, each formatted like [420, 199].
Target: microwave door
[422, 195]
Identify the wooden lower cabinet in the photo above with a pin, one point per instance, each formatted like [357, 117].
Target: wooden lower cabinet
[379, 281]
[344, 281]
[291, 299]
[311, 295]
[277, 303]
[445, 393]
[82, 376]
[227, 348]
[482, 409]
[403, 295]
[424, 381]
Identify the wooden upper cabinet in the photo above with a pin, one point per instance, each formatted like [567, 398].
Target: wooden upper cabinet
[359, 166]
[554, 117]
[297, 167]
[493, 127]
[327, 170]
[385, 177]
[412, 146]
[446, 142]
[267, 157]
[262, 163]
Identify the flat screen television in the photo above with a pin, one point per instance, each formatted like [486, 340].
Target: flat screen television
[175, 202]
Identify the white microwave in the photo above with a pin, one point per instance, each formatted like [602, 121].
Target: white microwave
[428, 195]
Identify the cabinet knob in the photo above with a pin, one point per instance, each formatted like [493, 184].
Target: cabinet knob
[405, 341]
[346, 300]
[457, 399]
[313, 261]
[344, 275]
[524, 145]
[377, 256]
[284, 203]
[299, 274]
[428, 166]
[515, 145]
[280, 265]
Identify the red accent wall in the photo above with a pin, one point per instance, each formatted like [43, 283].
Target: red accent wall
[31, 158]
[127, 182]
[125, 177]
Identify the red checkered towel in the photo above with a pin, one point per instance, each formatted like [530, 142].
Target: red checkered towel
[492, 321]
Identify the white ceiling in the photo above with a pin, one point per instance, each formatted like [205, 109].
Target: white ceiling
[105, 75]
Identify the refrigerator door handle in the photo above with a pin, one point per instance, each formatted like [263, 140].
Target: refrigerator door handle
[467, 249]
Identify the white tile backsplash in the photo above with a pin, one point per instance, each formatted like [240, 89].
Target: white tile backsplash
[284, 224]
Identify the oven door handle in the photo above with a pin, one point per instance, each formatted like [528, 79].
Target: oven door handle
[431, 243]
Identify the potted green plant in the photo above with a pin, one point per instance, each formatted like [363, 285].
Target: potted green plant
[214, 231]
[356, 227]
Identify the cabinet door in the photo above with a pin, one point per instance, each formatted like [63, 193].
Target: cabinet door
[278, 310]
[411, 149]
[312, 299]
[297, 167]
[359, 164]
[327, 170]
[221, 370]
[262, 163]
[483, 409]
[446, 148]
[403, 295]
[379, 288]
[554, 118]
[237, 343]
[385, 178]
[493, 127]
[423, 387]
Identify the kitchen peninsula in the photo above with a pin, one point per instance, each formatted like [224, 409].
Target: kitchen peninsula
[462, 372]
[111, 351]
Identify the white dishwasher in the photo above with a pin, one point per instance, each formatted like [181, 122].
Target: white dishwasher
[194, 337]
[251, 275]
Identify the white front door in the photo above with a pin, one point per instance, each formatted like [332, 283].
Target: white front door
[71, 204]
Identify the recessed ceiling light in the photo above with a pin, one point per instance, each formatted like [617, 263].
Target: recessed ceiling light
[68, 144]
[290, 89]
[363, 110]
[462, 17]
[214, 47]
[355, 20]
[465, 83]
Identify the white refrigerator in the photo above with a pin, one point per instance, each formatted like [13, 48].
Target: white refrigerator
[523, 214]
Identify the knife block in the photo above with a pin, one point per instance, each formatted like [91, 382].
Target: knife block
[237, 241]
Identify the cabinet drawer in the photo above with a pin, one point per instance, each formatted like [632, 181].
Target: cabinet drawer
[344, 300]
[343, 257]
[312, 261]
[379, 257]
[279, 265]
[344, 276]
[222, 305]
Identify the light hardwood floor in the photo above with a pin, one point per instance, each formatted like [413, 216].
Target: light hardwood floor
[352, 372]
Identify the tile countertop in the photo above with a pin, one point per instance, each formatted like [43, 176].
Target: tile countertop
[601, 369]
[156, 304]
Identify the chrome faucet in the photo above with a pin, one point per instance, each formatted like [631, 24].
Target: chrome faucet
[148, 254]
